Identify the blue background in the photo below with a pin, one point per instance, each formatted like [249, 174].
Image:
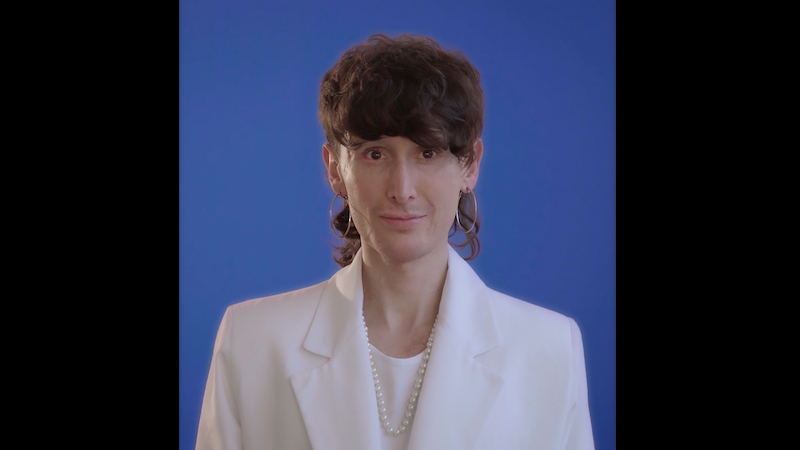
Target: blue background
[253, 197]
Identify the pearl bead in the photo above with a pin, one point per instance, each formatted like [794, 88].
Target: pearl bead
[408, 414]
[406, 422]
[384, 417]
[402, 428]
[410, 407]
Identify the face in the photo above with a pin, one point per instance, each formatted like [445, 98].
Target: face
[402, 197]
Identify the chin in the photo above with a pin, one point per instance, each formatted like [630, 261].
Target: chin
[401, 252]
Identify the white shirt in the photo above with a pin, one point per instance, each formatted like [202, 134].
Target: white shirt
[397, 376]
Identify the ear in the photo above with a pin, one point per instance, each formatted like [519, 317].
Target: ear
[471, 174]
[329, 157]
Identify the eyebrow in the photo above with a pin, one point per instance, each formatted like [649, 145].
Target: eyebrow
[358, 145]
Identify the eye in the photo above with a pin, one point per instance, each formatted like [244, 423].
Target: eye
[374, 155]
[429, 153]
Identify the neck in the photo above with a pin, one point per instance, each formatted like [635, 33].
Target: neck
[400, 297]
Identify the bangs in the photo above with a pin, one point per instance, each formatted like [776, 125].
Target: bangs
[382, 105]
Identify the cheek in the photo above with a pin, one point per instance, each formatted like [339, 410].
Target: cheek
[349, 181]
[447, 200]
[359, 196]
[362, 183]
[452, 206]
[356, 189]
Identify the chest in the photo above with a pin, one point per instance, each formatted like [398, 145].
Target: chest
[400, 344]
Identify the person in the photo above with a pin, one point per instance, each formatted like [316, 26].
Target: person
[404, 347]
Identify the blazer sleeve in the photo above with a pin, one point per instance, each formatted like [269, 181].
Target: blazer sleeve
[579, 424]
[219, 416]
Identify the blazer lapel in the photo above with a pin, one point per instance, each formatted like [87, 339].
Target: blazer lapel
[337, 399]
[458, 392]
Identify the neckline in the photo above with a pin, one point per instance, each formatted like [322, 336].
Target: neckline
[396, 361]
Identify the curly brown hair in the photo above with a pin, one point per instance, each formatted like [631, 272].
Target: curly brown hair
[405, 86]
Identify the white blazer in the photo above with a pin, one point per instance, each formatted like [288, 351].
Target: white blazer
[292, 372]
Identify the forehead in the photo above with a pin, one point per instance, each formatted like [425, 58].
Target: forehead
[384, 141]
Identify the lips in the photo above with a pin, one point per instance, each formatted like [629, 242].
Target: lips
[402, 220]
[399, 217]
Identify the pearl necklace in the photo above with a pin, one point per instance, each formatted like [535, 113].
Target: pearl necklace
[412, 402]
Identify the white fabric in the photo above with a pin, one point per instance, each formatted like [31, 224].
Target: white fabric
[397, 376]
[291, 371]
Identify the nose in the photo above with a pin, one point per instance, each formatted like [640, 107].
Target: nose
[401, 186]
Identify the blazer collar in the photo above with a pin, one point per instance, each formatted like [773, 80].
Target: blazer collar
[339, 311]
[337, 399]
[466, 309]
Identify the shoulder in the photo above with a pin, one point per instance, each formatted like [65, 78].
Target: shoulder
[282, 315]
[535, 343]
[522, 322]
[287, 301]
[513, 310]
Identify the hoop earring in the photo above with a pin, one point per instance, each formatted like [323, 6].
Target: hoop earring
[349, 219]
[475, 217]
